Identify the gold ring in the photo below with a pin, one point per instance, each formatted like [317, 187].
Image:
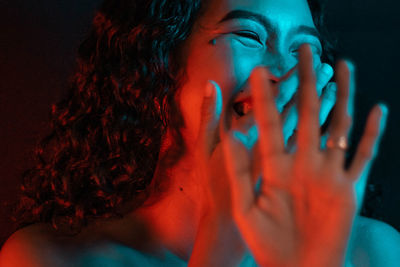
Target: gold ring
[340, 142]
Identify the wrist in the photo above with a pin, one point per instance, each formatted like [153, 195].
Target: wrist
[217, 243]
[322, 256]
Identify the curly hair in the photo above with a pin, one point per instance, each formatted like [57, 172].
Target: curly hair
[106, 133]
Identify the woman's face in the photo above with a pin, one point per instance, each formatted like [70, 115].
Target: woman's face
[231, 39]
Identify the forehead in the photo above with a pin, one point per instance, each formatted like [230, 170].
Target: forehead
[279, 12]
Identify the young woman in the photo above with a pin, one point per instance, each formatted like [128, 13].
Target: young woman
[192, 135]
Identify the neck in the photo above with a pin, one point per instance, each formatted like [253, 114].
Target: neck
[173, 215]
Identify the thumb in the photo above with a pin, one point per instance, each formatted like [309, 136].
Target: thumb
[211, 110]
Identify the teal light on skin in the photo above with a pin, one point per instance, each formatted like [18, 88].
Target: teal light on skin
[250, 138]
[106, 255]
[257, 188]
[247, 140]
[360, 185]
[228, 47]
[218, 100]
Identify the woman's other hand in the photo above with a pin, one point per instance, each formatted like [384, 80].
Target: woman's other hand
[218, 241]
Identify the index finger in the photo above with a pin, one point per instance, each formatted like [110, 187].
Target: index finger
[267, 117]
[308, 133]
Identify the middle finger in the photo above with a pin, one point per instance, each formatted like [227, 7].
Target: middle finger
[290, 117]
[308, 134]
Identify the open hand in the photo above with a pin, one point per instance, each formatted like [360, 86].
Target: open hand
[303, 213]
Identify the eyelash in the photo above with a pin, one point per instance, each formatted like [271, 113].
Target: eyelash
[249, 34]
[255, 37]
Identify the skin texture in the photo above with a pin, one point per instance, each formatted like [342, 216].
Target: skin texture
[217, 52]
[231, 59]
[208, 214]
[237, 58]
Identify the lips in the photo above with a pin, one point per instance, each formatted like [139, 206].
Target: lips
[244, 119]
[243, 107]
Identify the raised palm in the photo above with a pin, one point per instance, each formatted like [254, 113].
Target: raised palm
[303, 213]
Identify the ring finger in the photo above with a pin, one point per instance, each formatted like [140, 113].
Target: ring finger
[341, 120]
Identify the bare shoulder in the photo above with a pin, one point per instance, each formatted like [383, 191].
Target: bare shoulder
[375, 244]
[31, 246]
[40, 246]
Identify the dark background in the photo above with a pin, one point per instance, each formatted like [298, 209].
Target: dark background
[38, 41]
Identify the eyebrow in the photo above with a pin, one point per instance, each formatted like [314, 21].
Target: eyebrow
[244, 14]
[266, 23]
[304, 30]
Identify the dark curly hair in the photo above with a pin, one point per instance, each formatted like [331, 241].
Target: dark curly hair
[106, 133]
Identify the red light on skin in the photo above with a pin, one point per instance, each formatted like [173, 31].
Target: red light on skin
[274, 79]
[247, 105]
[243, 105]
[247, 100]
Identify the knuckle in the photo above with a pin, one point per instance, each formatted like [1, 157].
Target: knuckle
[259, 72]
[309, 108]
[306, 82]
[343, 93]
[330, 94]
[314, 108]
[243, 173]
[342, 124]
[365, 152]
[372, 132]
[346, 123]
[270, 123]
[348, 120]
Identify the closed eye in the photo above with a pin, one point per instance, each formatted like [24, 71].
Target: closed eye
[249, 34]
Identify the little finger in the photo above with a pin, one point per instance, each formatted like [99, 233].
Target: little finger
[368, 145]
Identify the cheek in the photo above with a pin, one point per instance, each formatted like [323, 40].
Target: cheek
[227, 63]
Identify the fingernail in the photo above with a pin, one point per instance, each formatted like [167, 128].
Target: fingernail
[350, 65]
[384, 109]
[383, 118]
[209, 89]
[216, 90]
[331, 89]
[253, 135]
[327, 69]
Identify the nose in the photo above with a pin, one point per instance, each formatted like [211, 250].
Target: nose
[274, 79]
[279, 64]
